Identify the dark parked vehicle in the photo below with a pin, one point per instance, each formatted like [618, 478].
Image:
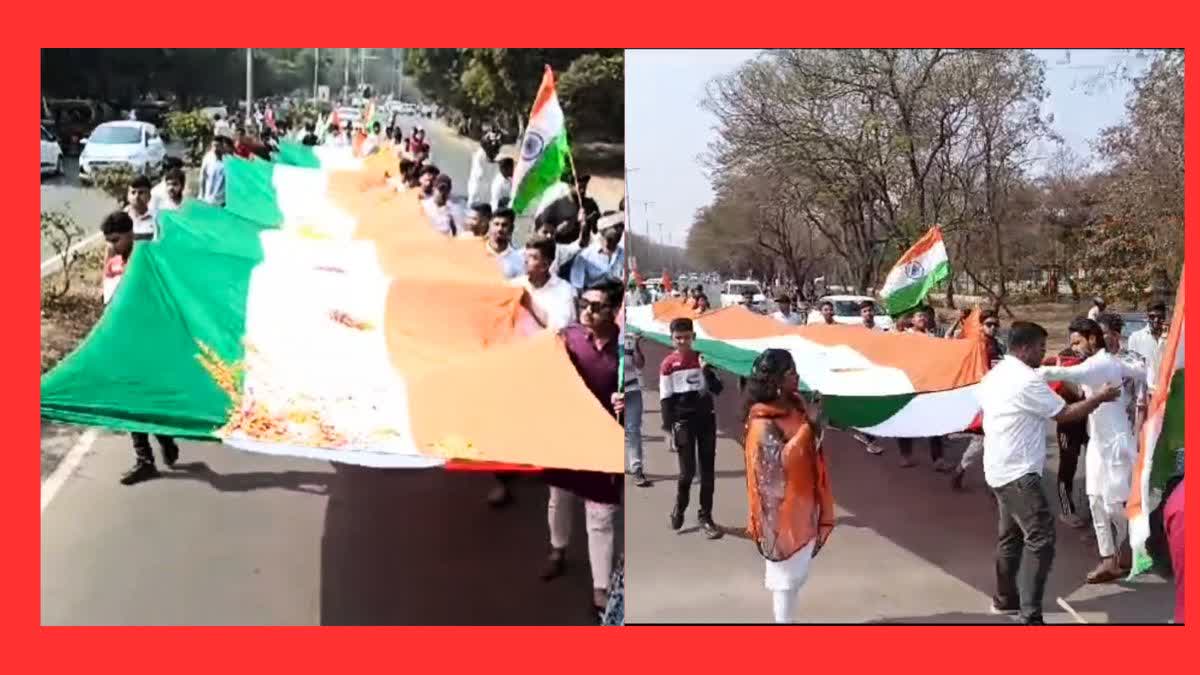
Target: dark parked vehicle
[154, 112]
[73, 120]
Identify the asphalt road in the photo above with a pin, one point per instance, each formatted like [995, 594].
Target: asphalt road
[233, 538]
[906, 549]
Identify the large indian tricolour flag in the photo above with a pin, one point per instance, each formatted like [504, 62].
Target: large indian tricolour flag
[376, 341]
[1160, 442]
[886, 384]
[916, 273]
[544, 148]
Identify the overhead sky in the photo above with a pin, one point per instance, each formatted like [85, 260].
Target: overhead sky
[666, 130]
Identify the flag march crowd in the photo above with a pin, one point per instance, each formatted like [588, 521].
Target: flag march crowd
[326, 296]
[1114, 404]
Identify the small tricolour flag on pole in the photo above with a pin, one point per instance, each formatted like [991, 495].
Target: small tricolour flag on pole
[1161, 441]
[544, 148]
[916, 273]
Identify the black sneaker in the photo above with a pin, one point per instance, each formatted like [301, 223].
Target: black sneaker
[710, 529]
[170, 453]
[640, 480]
[676, 519]
[555, 565]
[140, 472]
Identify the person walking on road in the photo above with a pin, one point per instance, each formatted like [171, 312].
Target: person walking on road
[686, 389]
[212, 172]
[635, 360]
[1111, 448]
[117, 229]
[787, 483]
[592, 345]
[500, 244]
[138, 198]
[1016, 404]
[785, 315]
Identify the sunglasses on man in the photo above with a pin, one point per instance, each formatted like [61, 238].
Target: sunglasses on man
[595, 307]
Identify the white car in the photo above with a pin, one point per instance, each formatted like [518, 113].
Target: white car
[134, 144]
[735, 290]
[51, 154]
[846, 310]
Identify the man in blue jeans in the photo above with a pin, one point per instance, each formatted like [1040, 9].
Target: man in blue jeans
[1016, 404]
[634, 362]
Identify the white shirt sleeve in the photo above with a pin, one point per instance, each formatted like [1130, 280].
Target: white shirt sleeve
[476, 177]
[1081, 373]
[497, 192]
[1038, 398]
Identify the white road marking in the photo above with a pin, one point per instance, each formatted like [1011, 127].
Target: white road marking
[52, 265]
[67, 466]
[1063, 603]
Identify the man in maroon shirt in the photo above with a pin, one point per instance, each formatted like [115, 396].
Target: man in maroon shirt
[593, 349]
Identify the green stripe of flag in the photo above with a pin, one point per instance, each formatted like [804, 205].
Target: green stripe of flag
[546, 172]
[907, 297]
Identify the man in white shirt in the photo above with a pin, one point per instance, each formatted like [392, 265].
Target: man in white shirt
[501, 193]
[867, 312]
[170, 199]
[499, 243]
[785, 315]
[221, 127]
[635, 360]
[550, 299]
[478, 218]
[212, 172]
[1111, 448]
[826, 308]
[138, 208]
[1017, 404]
[483, 170]
[1097, 309]
[445, 216]
[1149, 341]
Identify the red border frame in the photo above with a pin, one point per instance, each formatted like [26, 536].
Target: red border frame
[679, 24]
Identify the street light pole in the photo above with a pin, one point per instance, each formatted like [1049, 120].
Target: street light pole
[346, 78]
[316, 72]
[249, 84]
[399, 72]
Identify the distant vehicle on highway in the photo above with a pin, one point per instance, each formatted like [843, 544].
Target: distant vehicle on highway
[132, 143]
[52, 154]
[846, 310]
[735, 290]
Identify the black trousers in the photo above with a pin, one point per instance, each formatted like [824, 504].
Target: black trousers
[141, 446]
[935, 447]
[1070, 446]
[1025, 548]
[695, 442]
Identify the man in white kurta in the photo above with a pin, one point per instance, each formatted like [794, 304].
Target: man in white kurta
[1108, 462]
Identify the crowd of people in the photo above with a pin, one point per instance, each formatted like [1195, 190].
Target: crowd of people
[571, 268]
[1095, 389]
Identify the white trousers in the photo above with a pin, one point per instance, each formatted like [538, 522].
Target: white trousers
[599, 521]
[1106, 517]
[973, 453]
[784, 579]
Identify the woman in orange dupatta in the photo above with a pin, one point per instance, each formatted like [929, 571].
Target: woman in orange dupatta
[791, 505]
